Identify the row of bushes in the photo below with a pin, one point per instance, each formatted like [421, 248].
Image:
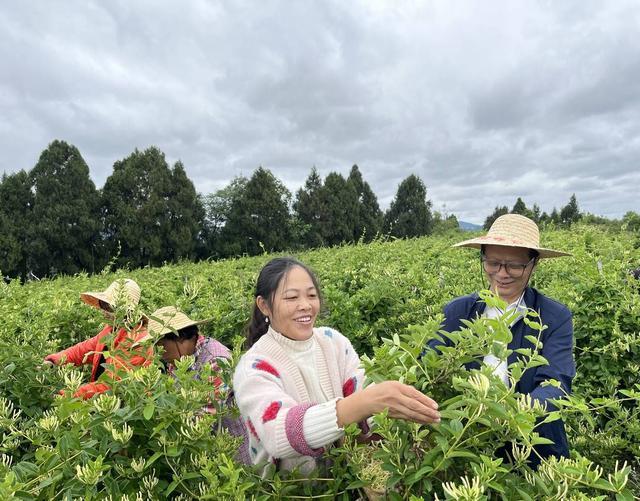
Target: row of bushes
[158, 446]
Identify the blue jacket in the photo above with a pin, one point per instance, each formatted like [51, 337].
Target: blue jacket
[557, 341]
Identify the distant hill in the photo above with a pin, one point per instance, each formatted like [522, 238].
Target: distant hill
[469, 226]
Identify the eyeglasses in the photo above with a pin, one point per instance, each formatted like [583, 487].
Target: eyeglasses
[514, 270]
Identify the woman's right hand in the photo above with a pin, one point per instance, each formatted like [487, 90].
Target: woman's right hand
[403, 402]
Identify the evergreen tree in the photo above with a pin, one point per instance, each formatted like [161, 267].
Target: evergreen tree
[497, 212]
[519, 207]
[259, 218]
[185, 216]
[544, 219]
[339, 206]
[554, 217]
[64, 230]
[143, 213]
[16, 203]
[368, 218]
[570, 213]
[308, 210]
[535, 213]
[410, 212]
[217, 210]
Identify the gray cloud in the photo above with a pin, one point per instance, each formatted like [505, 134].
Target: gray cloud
[486, 101]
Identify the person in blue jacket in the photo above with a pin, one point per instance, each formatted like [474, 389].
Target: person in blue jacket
[509, 253]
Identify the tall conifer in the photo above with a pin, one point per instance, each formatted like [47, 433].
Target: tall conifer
[259, 219]
[369, 218]
[64, 228]
[16, 203]
[410, 212]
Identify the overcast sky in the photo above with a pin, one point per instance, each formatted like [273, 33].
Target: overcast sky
[485, 101]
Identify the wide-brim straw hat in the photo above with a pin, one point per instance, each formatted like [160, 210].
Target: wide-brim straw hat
[170, 319]
[121, 290]
[513, 230]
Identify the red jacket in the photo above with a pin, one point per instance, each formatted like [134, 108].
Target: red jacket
[91, 350]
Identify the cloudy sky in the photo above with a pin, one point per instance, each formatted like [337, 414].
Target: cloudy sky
[485, 101]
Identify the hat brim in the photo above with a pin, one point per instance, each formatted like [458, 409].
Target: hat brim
[477, 243]
[173, 329]
[94, 298]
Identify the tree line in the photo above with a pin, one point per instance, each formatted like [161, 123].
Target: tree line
[55, 221]
[568, 215]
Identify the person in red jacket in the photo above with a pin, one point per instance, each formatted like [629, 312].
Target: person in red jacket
[125, 352]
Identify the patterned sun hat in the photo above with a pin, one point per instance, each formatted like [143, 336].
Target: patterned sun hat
[513, 230]
[170, 319]
[123, 289]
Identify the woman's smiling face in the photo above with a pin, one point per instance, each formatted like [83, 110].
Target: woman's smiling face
[294, 306]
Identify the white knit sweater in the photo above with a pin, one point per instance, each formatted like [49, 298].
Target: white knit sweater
[286, 426]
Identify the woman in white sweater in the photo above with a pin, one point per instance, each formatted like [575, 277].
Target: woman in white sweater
[298, 385]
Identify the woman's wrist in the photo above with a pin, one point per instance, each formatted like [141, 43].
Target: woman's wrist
[352, 409]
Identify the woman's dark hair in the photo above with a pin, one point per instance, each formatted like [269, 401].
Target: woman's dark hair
[186, 333]
[268, 281]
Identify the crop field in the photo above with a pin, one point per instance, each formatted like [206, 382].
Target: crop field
[146, 439]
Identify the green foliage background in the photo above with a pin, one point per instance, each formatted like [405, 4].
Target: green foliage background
[372, 291]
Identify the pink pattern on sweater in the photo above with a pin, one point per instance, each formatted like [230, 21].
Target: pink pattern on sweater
[349, 386]
[263, 365]
[295, 433]
[271, 412]
[252, 429]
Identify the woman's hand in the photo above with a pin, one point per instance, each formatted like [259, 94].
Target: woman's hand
[402, 401]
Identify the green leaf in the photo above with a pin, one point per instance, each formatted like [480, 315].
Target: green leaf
[463, 454]
[49, 481]
[148, 410]
[172, 487]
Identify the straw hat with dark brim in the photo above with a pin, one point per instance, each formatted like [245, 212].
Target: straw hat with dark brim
[513, 230]
[129, 290]
[170, 319]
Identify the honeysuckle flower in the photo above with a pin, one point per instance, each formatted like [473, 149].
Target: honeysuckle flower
[91, 473]
[480, 383]
[106, 404]
[470, 490]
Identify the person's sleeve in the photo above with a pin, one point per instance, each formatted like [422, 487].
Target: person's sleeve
[213, 352]
[273, 417]
[88, 390]
[129, 353]
[558, 350]
[76, 354]
[320, 425]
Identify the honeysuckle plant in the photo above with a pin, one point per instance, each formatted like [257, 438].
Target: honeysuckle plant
[148, 436]
[481, 447]
[371, 292]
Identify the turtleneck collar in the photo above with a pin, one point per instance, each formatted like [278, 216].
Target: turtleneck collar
[291, 344]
